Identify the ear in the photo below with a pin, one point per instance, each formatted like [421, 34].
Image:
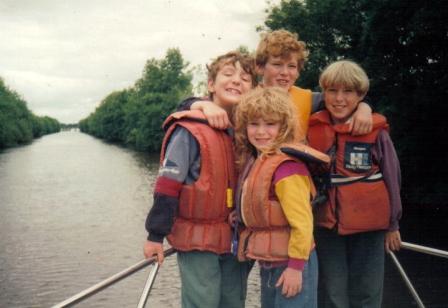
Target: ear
[211, 86]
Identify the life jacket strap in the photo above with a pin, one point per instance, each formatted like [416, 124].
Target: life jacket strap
[337, 179]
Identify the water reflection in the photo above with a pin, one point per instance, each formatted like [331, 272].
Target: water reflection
[73, 210]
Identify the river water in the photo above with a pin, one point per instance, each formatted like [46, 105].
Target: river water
[72, 214]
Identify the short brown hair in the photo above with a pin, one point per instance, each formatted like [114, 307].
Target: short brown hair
[345, 73]
[280, 43]
[246, 61]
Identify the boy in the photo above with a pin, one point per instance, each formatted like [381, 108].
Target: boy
[360, 218]
[280, 57]
[191, 203]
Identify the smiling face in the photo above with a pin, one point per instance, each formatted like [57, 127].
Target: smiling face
[344, 84]
[280, 71]
[262, 133]
[230, 83]
[341, 102]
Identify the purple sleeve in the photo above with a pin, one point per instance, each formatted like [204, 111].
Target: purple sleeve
[289, 168]
[390, 168]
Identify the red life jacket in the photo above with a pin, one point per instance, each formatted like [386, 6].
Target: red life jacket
[267, 231]
[358, 200]
[201, 223]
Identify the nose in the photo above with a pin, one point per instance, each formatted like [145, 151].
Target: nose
[340, 95]
[260, 130]
[236, 79]
[283, 69]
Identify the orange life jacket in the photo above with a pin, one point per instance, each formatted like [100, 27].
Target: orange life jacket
[204, 205]
[267, 231]
[302, 100]
[358, 200]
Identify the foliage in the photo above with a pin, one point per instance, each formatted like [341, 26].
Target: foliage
[134, 116]
[17, 124]
[401, 45]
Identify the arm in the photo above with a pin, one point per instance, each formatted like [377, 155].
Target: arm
[216, 116]
[182, 153]
[292, 188]
[390, 167]
[186, 104]
[361, 122]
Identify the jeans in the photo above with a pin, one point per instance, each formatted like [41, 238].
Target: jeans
[212, 281]
[271, 297]
[351, 269]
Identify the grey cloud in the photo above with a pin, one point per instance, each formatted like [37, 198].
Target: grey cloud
[64, 57]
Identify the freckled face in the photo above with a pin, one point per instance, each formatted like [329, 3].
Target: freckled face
[262, 133]
[280, 72]
[341, 102]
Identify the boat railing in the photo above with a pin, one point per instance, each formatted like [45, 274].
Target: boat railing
[116, 278]
[153, 273]
[404, 276]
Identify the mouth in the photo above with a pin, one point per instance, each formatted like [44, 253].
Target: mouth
[234, 91]
[282, 82]
[338, 107]
[262, 140]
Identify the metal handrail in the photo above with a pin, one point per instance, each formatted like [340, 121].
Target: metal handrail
[407, 280]
[148, 286]
[110, 281]
[152, 275]
[424, 249]
[421, 249]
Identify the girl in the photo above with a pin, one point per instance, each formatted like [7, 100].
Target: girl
[274, 200]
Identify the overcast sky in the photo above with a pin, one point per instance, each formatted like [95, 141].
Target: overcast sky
[64, 56]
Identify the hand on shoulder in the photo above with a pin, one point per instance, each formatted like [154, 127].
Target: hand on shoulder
[216, 116]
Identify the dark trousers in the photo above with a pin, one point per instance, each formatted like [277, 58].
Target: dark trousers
[351, 269]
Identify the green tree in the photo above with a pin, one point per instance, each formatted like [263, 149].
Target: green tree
[401, 45]
[18, 124]
[135, 116]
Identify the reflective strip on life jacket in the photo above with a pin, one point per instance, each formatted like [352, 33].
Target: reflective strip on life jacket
[337, 179]
[358, 200]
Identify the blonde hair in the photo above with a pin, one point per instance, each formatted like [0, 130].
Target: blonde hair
[345, 73]
[270, 104]
[281, 43]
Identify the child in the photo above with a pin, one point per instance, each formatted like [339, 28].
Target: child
[280, 57]
[275, 201]
[191, 200]
[360, 218]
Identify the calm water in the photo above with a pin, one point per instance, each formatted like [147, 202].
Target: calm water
[72, 213]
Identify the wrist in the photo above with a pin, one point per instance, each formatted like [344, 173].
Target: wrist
[153, 237]
[364, 106]
[297, 264]
[197, 105]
